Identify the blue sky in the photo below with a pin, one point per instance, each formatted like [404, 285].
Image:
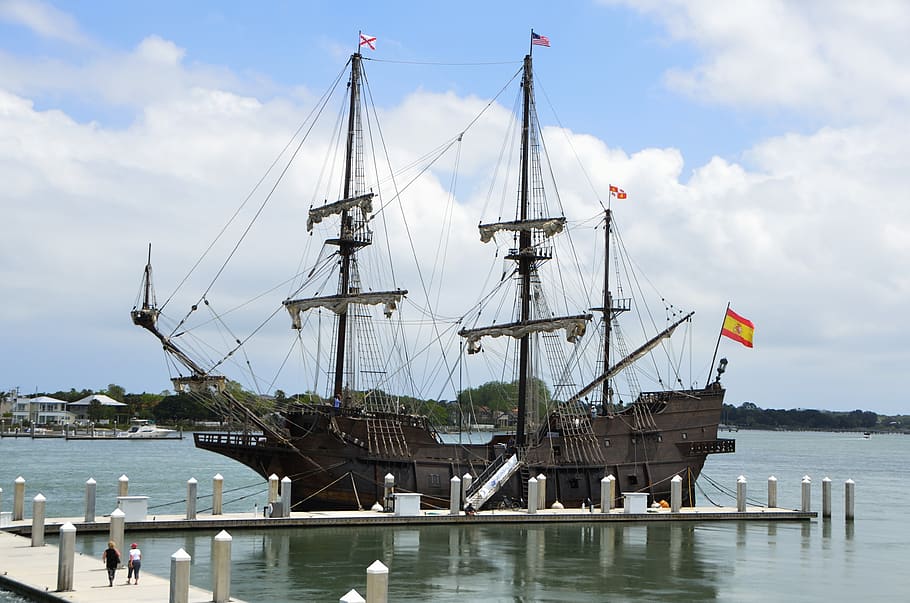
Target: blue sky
[763, 144]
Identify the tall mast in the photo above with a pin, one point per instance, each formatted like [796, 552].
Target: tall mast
[606, 399]
[525, 258]
[346, 242]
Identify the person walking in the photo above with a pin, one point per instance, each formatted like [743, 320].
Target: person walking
[111, 559]
[135, 563]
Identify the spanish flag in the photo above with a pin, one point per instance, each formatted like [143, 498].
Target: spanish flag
[738, 328]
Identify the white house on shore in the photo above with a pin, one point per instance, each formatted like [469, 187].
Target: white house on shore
[80, 408]
[43, 410]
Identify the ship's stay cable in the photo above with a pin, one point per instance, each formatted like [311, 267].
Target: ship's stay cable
[311, 118]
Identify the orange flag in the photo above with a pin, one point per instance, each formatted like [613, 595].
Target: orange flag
[738, 328]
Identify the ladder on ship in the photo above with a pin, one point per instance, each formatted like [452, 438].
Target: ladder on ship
[579, 442]
[385, 437]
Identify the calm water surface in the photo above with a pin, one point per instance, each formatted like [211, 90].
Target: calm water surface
[699, 561]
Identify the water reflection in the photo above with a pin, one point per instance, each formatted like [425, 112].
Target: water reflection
[446, 564]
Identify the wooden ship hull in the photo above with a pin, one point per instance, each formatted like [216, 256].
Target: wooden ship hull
[339, 461]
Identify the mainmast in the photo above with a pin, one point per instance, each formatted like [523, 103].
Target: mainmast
[532, 229]
[525, 256]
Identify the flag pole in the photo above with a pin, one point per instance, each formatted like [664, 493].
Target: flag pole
[716, 346]
[531, 49]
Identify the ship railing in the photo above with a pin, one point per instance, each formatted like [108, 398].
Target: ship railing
[233, 440]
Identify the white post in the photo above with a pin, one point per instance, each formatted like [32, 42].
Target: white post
[191, 489]
[123, 485]
[180, 577]
[466, 481]
[66, 557]
[533, 495]
[675, 494]
[826, 498]
[221, 567]
[377, 583]
[1, 499]
[90, 489]
[217, 494]
[541, 491]
[285, 496]
[611, 492]
[772, 492]
[849, 487]
[806, 494]
[115, 531]
[741, 494]
[38, 507]
[273, 488]
[454, 495]
[388, 489]
[352, 596]
[19, 499]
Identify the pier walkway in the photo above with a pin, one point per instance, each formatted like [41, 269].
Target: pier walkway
[32, 572]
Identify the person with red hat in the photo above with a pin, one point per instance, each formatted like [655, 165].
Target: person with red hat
[135, 562]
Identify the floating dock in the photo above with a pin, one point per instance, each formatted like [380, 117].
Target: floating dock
[319, 519]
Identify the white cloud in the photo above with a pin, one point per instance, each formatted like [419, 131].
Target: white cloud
[44, 20]
[831, 60]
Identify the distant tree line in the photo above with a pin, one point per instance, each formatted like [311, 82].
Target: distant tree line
[176, 408]
[750, 416]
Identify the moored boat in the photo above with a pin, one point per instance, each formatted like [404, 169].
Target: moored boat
[338, 449]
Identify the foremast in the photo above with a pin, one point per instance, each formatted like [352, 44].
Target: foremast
[354, 234]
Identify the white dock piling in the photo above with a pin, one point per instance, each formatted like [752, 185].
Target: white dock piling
[90, 489]
[826, 498]
[741, 494]
[285, 496]
[377, 583]
[466, 480]
[849, 487]
[192, 487]
[38, 508]
[675, 494]
[221, 567]
[217, 494]
[352, 596]
[1, 499]
[607, 493]
[541, 491]
[180, 577]
[123, 485]
[66, 557]
[533, 495]
[115, 531]
[806, 505]
[19, 499]
[273, 488]
[454, 495]
[772, 492]
[387, 491]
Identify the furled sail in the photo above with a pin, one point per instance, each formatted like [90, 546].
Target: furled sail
[339, 303]
[550, 227]
[574, 326]
[317, 215]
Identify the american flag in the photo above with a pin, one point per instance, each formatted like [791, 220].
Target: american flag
[539, 40]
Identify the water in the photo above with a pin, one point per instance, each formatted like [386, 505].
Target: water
[689, 561]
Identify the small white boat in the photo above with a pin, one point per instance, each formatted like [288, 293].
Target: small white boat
[147, 431]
